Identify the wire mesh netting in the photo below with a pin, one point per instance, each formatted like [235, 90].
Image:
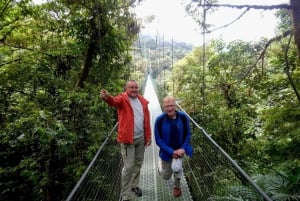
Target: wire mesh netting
[101, 180]
[210, 175]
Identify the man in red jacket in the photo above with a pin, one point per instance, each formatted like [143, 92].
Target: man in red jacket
[134, 134]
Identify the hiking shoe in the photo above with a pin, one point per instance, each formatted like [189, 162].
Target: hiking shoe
[177, 191]
[137, 191]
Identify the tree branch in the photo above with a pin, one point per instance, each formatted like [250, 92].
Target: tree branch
[9, 62]
[287, 70]
[262, 7]
[228, 24]
[262, 54]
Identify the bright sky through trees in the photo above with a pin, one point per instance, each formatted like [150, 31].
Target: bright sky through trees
[172, 21]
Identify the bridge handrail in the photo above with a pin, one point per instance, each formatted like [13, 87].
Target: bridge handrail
[239, 169]
[231, 161]
[98, 182]
[69, 198]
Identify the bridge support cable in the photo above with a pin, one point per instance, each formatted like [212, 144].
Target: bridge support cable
[212, 174]
[231, 161]
[101, 180]
[153, 186]
[238, 168]
[84, 188]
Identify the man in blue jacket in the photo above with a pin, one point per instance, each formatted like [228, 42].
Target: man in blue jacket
[172, 135]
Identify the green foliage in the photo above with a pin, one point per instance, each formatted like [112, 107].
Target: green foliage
[50, 130]
[282, 131]
[282, 186]
[249, 106]
[225, 110]
[157, 56]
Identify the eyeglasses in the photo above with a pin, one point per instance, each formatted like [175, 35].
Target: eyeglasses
[132, 87]
[168, 106]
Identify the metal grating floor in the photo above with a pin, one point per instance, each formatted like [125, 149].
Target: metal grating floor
[155, 188]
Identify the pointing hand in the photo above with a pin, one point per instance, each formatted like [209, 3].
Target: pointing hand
[104, 94]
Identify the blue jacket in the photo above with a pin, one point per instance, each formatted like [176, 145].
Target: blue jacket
[163, 135]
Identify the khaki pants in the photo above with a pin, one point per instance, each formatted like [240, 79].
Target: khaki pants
[133, 157]
[166, 172]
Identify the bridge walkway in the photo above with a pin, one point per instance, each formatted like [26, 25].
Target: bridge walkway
[153, 186]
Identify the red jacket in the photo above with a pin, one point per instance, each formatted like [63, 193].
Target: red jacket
[126, 118]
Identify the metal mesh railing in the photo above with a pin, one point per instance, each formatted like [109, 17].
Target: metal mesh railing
[211, 174]
[101, 179]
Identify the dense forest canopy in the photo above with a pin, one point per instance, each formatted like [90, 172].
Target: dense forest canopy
[55, 56]
[246, 94]
[247, 97]
[54, 59]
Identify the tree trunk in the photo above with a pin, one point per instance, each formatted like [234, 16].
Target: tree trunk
[295, 14]
[87, 64]
[88, 61]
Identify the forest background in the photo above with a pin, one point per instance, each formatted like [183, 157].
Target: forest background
[56, 56]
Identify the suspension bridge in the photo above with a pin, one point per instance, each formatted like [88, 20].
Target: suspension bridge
[211, 174]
